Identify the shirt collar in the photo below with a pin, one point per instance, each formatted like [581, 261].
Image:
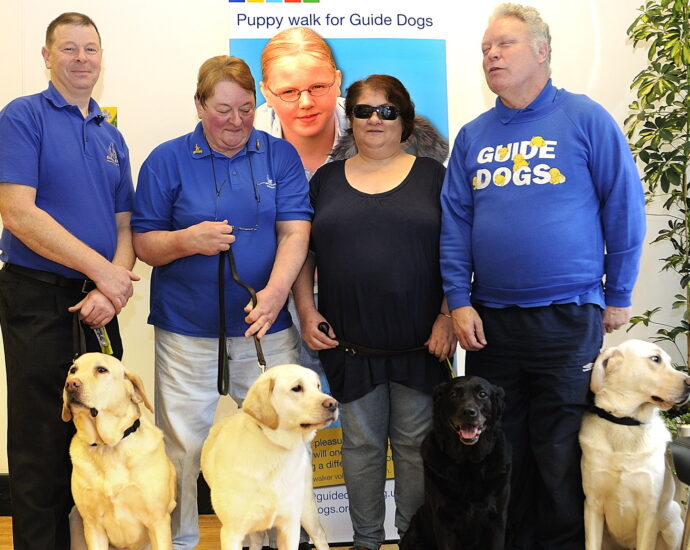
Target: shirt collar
[199, 147]
[55, 98]
[545, 97]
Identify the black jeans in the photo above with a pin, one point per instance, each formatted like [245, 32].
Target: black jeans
[38, 343]
[542, 358]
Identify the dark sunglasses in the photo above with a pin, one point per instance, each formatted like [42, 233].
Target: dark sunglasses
[384, 112]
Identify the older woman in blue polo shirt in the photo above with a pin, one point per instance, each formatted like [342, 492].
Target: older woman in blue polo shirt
[223, 184]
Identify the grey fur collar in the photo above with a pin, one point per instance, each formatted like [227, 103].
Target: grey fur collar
[425, 141]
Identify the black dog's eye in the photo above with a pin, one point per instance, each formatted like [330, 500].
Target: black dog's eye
[297, 388]
[101, 370]
[656, 358]
[482, 394]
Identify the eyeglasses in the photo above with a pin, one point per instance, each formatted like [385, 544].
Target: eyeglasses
[293, 94]
[384, 112]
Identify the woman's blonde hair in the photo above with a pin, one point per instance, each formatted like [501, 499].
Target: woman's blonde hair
[223, 68]
[292, 42]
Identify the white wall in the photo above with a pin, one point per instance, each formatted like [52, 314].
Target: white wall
[152, 51]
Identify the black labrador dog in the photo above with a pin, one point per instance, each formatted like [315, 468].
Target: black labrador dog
[466, 471]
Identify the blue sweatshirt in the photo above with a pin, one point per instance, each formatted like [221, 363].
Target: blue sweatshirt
[541, 205]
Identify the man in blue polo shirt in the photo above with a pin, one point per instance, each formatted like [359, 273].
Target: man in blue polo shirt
[65, 199]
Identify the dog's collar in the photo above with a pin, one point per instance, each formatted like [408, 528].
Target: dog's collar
[622, 420]
[133, 428]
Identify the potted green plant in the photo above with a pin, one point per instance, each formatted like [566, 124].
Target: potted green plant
[659, 132]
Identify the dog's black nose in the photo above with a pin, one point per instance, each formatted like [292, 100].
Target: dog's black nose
[470, 413]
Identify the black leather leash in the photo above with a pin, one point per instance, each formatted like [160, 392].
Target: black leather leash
[223, 367]
[356, 349]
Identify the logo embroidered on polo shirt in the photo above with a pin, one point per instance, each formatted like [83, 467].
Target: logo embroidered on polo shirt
[197, 150]
[112, 155]
[268, 183]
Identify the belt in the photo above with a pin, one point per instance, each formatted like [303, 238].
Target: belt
[85, 285]
[356, 349]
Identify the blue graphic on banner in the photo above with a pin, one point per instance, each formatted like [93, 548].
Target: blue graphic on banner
[420, 64]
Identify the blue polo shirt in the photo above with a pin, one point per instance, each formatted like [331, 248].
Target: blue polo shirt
[262, 184]
[78, 166]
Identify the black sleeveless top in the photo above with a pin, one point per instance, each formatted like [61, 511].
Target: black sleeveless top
[377, 259]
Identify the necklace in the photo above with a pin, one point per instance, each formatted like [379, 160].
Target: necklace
[218, 189]
[215, 181]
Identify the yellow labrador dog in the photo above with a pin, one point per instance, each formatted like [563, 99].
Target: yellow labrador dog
[257, 464]
[628, 487]
[122, 481]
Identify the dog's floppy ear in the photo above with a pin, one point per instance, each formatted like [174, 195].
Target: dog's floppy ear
[139, 395]
[606, 362]
[439, 390]
[258, 401]
[66, 413]
[498, 401]
[86, 428]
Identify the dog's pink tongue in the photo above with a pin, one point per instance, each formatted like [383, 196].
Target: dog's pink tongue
[468, 432]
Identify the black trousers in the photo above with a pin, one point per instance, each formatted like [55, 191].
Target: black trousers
[542, 357]
[37, 333]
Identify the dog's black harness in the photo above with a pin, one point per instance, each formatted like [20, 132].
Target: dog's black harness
[621, 420]
[133, 428]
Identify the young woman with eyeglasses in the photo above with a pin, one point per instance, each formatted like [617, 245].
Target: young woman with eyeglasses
[224, 184]
[301, 85]
[375, 244]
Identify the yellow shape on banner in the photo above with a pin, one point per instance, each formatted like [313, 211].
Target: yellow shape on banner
[110, 114]
[327, 462]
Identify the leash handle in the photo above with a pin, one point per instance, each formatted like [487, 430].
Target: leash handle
[78, 336]
[252, 294]
[324, 327]
[223, 365]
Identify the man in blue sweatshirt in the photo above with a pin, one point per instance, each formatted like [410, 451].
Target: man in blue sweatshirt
[543, 225]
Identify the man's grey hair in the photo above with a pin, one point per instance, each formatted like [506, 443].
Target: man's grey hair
[538, 29]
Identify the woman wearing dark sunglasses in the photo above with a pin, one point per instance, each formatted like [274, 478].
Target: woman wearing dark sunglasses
[374, 243]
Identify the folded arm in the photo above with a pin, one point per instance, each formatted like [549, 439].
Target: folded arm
[45, 236]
